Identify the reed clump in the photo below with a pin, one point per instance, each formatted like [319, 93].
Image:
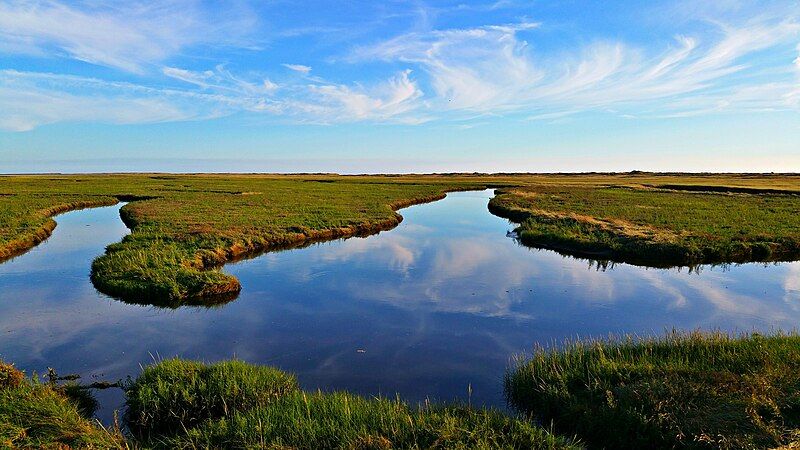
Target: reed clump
[682, 391]
[176, 394]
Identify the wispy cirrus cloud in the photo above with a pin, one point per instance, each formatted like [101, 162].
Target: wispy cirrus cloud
[220, 79]
[388, 100]
[313, 100]
[298, 68]
[724, 62]
[468, 68]
[797, 60]
[122, 35]
[32, 99]
[492, 69]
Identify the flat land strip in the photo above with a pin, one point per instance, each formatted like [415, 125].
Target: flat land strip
[659, 224]
[184, 227]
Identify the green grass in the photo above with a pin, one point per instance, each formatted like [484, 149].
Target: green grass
[185, 227]
[185, 404]
[655, 227]
[177, 238]
[38, 415]
[344, 421]
[177, 394]
[694, 391]
[682, 391]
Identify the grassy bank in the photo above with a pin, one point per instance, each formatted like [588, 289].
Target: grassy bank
[657, 227]
[694, 391]
[683, 391]
[179, 240]
[39, 415]
[344, 421]
[184, 227]
[183, 404]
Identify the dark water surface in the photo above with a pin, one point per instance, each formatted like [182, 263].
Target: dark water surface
[425, 310]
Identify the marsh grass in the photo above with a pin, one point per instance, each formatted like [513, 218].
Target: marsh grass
[37, 415]
[184, 227]
[175, 394]
[655, 227]
[681, 391]
[344, 421]
[186, 404]
[10, 377]
[685, 390]
[179, 243]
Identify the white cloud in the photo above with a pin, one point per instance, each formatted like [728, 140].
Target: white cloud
[463, 75]
[298, 68]
[493, 69]
[387, 100]
[797, 60]
[222, 80]
[470, 68]
[122, 35]
[198, 78]
[31, 99]
[791, 285]
[318, 101]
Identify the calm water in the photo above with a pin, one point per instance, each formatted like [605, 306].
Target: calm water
[425, 310]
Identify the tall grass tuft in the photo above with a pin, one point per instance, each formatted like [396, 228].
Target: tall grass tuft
[36, 415]
[685, 390]
[10, 377]
[344, 421]
[175, 394]
[185, 404]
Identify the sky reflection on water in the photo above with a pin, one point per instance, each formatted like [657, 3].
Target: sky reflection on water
[438, 304]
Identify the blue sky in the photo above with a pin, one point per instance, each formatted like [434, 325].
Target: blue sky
[399, 86]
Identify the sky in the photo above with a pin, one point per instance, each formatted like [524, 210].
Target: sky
[399, 86]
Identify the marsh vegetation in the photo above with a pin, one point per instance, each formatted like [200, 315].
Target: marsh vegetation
[708, 391]
[185, 226]
[682, 391]
[657, 227]
[186, 404]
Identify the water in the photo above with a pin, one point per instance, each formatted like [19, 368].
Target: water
[426, 310]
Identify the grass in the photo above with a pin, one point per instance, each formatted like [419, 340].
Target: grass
[178, 238]
[344, 421]
[185, 227]
[682, 391]
[185, 404]
[39, 415]
[693, 391]
[656, 227]
[178, 394]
